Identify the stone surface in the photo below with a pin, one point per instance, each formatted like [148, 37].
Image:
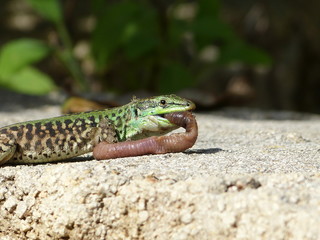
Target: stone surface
[250, 175]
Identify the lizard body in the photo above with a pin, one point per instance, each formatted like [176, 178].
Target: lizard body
[72, 135]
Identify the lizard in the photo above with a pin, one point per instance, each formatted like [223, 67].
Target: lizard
[68, 136]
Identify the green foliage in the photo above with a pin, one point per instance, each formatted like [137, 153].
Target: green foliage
[131, 36]
[242, 52]
[16, 72]
[49, 9]
[17, 54]
[139, 43]
[127, 25]
[208, 29]
[172, 75]
[30, 81]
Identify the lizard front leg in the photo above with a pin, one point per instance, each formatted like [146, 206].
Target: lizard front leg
[7, 148]
[104, 132]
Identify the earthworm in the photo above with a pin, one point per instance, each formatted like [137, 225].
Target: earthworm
[177, 142]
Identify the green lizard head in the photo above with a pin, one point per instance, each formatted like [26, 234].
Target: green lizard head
[147, 116]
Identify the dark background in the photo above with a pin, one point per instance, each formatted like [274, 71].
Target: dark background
[263, 54]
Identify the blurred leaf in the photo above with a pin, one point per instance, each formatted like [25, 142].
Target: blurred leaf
[125, 25]
[49, 9]
[52, 10]
[139, 45]
[177, 30]
[208, 29]
[174, 77]
[30, 81]
[241, 52]
[19, 53]
[207, 26]
[110, 30]
[209, 7]
[141, 34]
[145, 36]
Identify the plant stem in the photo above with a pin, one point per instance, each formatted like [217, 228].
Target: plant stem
[69, 59]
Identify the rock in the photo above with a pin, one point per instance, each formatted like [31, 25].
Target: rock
[242, 180]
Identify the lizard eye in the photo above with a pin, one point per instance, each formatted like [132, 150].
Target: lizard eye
[163, 102]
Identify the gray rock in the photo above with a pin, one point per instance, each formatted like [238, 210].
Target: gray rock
[250, 175]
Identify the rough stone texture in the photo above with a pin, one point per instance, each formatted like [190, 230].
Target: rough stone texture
[251, 175]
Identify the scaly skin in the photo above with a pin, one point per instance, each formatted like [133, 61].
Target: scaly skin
[68, 136]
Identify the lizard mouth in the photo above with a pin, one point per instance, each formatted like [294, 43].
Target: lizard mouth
[163, 114]
[164, 118]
